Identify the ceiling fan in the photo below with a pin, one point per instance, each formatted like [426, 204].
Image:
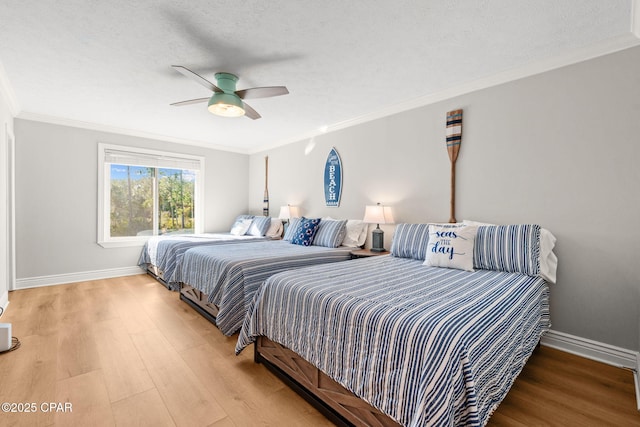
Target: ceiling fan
[226, 100]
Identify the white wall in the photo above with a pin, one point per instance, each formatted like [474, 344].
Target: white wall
[6, 126]
[560, 149]
[56, 197]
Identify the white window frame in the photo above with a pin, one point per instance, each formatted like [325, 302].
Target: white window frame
[104, 187]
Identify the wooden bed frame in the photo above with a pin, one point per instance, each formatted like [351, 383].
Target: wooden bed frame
[199, 302]
[330, 398]
[155, 272]
[333, 400]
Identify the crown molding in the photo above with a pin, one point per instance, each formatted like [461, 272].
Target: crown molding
[605, 47]
[6, 91]
[26, 115]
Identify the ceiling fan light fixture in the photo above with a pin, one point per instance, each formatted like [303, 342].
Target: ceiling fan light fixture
[226, 105]
[226, 100]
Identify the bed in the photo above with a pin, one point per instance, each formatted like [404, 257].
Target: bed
[219, 282]
[389, 340]
[222, 280]
[161, 256]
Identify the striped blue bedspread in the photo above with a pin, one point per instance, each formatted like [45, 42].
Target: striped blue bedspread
[428, 346]
[230, 274]
[165, 252]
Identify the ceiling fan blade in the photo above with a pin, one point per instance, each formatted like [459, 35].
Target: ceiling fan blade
[197, 78]
[262, 92]
[189, 102]
[250, 112]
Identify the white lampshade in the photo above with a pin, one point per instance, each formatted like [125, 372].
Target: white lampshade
[288, 212]
[378, 214]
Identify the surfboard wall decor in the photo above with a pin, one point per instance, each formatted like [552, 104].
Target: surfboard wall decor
[333, 179]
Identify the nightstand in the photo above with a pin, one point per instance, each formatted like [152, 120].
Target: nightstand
[364, 253]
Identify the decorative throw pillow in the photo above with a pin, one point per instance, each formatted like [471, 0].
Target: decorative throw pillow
[259, 226]
[451, 247]
[291, 228]
[410, 241]
[510, 248]
[241, 226]
[330, 233]
[306, 231]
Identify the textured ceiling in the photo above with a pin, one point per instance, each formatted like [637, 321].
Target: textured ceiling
[107, 64]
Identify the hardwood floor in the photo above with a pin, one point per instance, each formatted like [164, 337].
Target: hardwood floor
[128, 352]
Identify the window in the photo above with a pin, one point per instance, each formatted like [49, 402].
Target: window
[145, 193]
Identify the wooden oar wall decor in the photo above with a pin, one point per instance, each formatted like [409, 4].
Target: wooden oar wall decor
[265, 202]
[454, 139]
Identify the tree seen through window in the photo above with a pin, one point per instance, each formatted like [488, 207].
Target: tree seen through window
[137, 192]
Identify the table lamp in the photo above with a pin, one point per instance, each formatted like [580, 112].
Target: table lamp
[378, 214]
[288, 212]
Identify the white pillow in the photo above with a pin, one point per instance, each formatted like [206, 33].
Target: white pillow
[354, 234]
[241, 226]
[275, 229]
[451, 247]
[548, 260]
[363, 234]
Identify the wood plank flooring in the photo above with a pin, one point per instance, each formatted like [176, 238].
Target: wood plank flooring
[128, 352]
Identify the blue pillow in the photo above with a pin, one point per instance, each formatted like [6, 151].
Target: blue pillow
[259, 226]
[306, 231]
[510, 248]
[291, 228]
[330, 233]
[410, 241]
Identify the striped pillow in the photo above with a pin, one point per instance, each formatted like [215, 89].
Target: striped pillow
[330, 233]
[510, 248]
[291, 228]
[259, 226]
[410, 241]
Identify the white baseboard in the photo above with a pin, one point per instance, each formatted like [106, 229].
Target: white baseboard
[584, 347]
[594, 350]
[59, 279]
[636, 377]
